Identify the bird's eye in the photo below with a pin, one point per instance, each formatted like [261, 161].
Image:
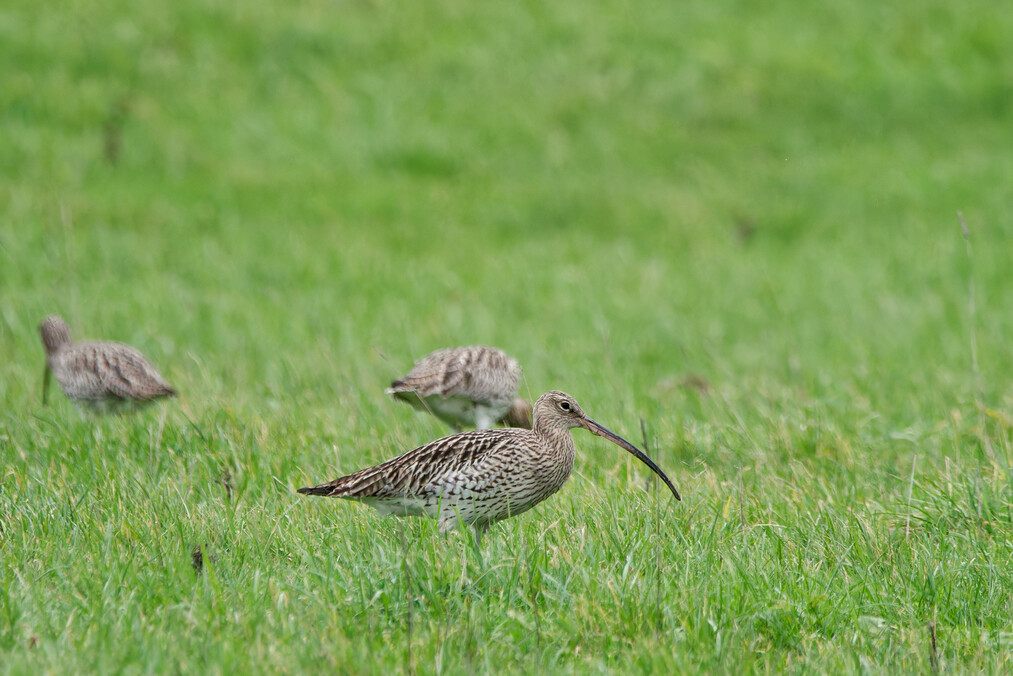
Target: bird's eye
[565, 405]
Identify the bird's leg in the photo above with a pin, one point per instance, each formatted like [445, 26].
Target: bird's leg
[46, 375]
[448, 519]
[476, 534]
[483, 417]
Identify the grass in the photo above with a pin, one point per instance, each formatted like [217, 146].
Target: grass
[736, 222]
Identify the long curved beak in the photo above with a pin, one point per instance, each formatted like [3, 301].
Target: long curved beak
[605, 433]
[45, 383]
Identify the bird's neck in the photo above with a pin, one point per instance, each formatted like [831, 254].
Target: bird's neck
[561, 443]
[55, 348]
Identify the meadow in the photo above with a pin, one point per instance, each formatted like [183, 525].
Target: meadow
[730, 230]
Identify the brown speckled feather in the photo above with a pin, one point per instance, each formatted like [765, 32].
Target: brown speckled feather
[421, 468]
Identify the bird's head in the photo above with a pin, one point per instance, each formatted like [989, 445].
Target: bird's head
[55, 334]
[557, 410]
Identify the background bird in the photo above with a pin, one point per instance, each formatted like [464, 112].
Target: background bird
[478, 478]
[474, 386]
[98, 374]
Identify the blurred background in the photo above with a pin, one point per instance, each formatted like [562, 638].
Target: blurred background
[643, 202]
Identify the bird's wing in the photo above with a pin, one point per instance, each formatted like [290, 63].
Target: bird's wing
[443, 373]
[447, 464]
[127, 373]
[492, 376]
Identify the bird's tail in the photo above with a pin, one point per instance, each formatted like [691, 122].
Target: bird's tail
[322, 489]
[401, 389]
[362, 484]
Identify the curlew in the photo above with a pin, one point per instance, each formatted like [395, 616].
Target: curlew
[478, 478]
[474, 386]
[99, 374]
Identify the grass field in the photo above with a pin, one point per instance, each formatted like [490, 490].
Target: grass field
[736, 222]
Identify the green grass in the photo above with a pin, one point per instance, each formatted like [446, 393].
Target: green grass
[285, 204]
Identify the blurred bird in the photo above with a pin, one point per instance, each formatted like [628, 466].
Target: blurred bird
[101, 375]
[461, 386]
[478, 478]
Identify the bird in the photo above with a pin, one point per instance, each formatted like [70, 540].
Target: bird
[466, 386]
[101, 375]
[479, 477]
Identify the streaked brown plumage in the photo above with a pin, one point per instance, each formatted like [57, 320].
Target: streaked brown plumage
[100, 375]
[478, 478]
[475, 385]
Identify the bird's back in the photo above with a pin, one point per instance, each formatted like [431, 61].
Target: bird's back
[103, 370]
[479, 373]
